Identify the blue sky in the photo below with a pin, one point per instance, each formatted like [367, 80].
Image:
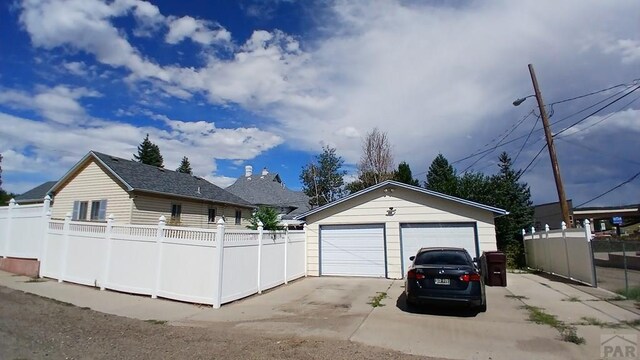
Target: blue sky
[268, 83]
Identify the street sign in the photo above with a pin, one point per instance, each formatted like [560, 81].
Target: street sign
[617, 220]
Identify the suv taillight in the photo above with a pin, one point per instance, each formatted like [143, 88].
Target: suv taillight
[412, 274]
[469, 277]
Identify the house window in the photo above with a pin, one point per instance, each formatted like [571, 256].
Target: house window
[238, 217]
[176, 211]
[98, 210]
[80, 210]
[212, 215]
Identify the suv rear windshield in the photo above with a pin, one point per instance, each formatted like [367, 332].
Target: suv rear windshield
[445, 257]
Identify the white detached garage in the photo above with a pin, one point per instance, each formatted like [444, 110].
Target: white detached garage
[374, 231]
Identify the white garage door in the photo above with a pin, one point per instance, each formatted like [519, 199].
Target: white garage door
[416, 236]
[352, 250]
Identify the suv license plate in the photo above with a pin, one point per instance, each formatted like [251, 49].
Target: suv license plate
[441, 281]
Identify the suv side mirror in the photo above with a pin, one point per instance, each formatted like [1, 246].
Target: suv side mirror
[411, 258]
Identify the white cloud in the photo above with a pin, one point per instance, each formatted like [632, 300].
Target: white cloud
[197, 30]
[59, 104]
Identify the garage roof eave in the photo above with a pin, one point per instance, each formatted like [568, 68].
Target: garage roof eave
[389, 184]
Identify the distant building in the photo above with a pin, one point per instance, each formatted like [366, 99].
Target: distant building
[267, 189]
[550, 214]
[35, 195]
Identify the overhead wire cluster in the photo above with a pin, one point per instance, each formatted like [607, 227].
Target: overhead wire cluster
[501, 140]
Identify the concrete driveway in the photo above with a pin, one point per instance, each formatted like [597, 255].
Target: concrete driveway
[339, 308]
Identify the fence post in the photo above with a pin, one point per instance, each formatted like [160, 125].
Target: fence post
[286, 253]
[588, 234]
[46, 217]
[524, 244]
[306, 258]
[107, 239]
[65, 247]
[566, 249]
[12, 204]
[217, 298]
[260, 231]
[159, 237]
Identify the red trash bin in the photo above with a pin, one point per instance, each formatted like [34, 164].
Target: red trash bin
[494, 268]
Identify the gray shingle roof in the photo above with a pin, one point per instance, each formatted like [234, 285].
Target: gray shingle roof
[269, 190]
[142, 177]
[36, 194]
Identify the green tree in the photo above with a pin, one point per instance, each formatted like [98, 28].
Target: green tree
[185, 166]
[149, 153]
[441, 176]
[404, 175]
[5, 197]
[269, 218]
[476, 187]
[514, 196]
[323, 179]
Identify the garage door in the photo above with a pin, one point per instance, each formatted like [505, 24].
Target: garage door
[416, 236]
[352, 250]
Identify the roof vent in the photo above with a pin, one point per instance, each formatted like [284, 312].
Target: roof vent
[265, 171]
[114, 158]
[248, 170]
[199, 190]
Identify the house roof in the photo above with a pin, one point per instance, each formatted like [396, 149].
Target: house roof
[391, 183]
[136, 176]
[36, 194]
[268, 189]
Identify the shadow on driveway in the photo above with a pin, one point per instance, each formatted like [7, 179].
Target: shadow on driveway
[458, 311]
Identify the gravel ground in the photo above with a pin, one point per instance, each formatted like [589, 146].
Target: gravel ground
[32, 327]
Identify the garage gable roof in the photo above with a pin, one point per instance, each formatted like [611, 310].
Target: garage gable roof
[391, 183]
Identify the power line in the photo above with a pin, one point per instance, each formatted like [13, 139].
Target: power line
[597, 111]
[601, 120]
[532, 160]
[611, 190]
[628, 85]
[513, 128]
[527, 139]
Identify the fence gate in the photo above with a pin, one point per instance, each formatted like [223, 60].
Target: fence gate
[617, 264]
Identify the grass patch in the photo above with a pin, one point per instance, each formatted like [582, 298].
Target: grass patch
[632, 294]
[596, 322]
[572, 299]
[35, 280]
[376, 301]
[517, 297]
[567, 332]
[632, 323]
[156, 322]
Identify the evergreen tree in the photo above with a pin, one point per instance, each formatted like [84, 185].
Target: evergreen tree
[269, 218]
[185, 166]
[441, 176]
[5, 197]
[404, 175]
[323, 179]
[149, 153]
[515, 197]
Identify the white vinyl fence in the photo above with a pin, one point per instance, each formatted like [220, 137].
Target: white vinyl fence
[180, 263]
[566, 253]
[21, 229]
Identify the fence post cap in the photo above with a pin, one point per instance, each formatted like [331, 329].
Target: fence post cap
[221, 221]
[67, 215]
[110, 217]
[524, 232]
[162, 219]
[546, 227]
[47, 197]
[260, 224]
[563, 225]
[12, 202]
[586, 222]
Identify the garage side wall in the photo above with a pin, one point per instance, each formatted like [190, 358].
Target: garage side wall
[409, 207]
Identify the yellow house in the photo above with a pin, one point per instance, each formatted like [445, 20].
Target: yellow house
[136, 193]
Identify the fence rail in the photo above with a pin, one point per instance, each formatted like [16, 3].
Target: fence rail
[566, 253]
[186, 264]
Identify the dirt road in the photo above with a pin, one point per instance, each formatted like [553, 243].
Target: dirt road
[32, 327]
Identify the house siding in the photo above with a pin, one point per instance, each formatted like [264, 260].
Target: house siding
[90, 183]
[147, 210]
[410, 207]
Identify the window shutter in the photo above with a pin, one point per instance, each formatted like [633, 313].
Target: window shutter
[76, 210]
[102, 214]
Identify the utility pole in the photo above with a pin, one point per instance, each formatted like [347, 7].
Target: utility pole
[552, 149]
